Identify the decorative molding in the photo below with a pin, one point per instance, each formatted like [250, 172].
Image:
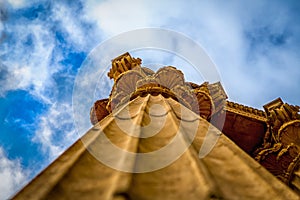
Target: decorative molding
[246, 111]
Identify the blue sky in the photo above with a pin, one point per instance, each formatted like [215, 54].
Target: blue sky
[254, 44]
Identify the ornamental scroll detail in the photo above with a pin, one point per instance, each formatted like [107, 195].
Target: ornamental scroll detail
[280, 153]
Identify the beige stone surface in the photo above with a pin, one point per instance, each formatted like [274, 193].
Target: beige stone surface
[82, 172]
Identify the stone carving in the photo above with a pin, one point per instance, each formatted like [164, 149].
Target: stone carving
[132, 80]
[280, 153]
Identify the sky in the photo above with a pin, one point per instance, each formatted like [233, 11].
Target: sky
[255, 46]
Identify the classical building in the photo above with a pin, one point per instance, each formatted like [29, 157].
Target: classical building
[159, 137]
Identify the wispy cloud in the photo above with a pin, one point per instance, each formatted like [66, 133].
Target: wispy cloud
[55, 130]
[12, 175]
[33, 53]
[26, 57]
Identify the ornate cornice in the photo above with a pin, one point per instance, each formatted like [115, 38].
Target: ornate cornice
[246, 111]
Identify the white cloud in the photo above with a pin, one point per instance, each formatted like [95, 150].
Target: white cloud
[17, 3]
[12, 175]
[32, 55]
[117, 16]
[55, 129]
[29, 67]
[71, 23]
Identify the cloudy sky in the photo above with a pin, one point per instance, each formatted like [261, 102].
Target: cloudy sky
[255, 46]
